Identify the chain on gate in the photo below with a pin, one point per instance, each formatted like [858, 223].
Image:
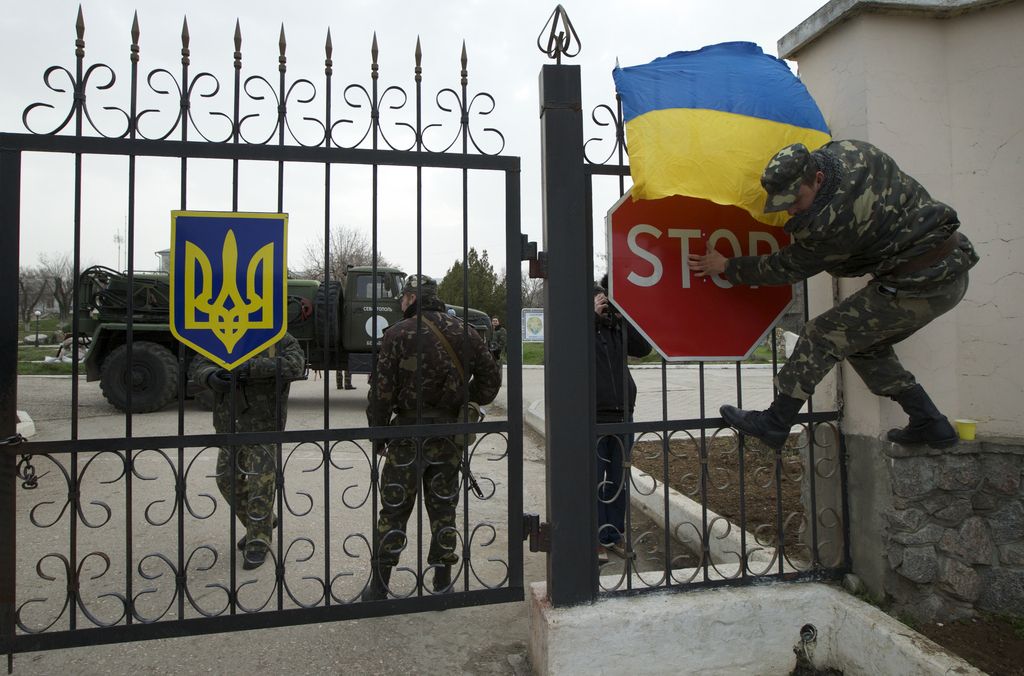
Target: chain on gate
[26, 470]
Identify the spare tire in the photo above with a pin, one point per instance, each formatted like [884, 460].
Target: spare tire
[327, 317]
[153, 377]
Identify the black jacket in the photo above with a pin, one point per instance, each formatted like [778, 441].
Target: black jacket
[610, 358]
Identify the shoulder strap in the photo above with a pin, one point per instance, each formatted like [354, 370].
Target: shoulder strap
[447, 346]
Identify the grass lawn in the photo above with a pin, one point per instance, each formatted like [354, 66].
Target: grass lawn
[533, 353]
[30, 361]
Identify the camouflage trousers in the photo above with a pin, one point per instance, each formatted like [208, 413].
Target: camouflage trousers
[438, 467]
[252, 491]
[862, 329]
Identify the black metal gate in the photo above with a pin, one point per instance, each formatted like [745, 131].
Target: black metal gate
[804, 533]
[117, 536]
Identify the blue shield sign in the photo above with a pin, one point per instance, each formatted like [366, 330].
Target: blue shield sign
[229, 282]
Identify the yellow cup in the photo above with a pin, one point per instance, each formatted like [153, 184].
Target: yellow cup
[965, 428]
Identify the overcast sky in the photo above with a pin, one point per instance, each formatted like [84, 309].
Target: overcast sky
[503, 61]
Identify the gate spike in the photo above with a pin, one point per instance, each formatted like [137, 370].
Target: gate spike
[465, 62]
[80, 32]
[374, 67]
[135, 38]
[282, 45]
[328, 52]
[184, 41]
[419, 61]
[238, 39]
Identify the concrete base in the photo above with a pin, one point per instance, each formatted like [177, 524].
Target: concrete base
[749, 630]
[26, 427]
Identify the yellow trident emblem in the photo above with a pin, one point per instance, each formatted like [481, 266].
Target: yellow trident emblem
[230, 315]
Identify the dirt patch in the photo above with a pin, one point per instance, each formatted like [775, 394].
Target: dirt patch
[993, 644]
[769, 480]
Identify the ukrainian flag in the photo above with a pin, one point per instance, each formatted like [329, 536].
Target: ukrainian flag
[705, 123]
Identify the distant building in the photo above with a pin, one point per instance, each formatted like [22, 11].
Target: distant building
[163, 260]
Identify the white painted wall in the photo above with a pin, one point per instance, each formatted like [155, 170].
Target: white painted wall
[945, 97]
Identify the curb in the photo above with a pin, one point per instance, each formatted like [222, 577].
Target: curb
[26, 427]
[724, 543]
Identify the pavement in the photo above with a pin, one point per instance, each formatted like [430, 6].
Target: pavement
[482, 640]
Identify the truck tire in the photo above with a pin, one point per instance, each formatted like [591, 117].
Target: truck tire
[327, 315]
[153, 377]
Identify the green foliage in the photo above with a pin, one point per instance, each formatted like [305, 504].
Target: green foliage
[35, 368]
[486, 291]
[533, 353]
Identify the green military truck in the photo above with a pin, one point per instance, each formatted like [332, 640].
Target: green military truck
[334, 323]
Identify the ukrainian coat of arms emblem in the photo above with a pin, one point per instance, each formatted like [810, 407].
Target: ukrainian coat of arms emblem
[229, 282]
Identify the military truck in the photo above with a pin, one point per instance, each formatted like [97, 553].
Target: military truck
[334, 323]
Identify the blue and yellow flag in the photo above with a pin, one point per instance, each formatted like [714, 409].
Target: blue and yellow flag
[229, 282]
[705, 123]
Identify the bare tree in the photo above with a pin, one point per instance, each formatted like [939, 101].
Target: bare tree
[32, 284]
[532, 291]
[56, 268]
[347, 247]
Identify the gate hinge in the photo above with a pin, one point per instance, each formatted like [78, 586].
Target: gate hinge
[538, 533]
[538, 259]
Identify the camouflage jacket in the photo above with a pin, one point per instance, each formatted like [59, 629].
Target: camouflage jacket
[255, 400]
[876, 218]
[393, 383]
[500, 339]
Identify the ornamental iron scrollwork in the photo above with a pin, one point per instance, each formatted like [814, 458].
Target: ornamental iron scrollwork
[263, 110]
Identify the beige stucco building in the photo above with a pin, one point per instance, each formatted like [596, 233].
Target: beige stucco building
[940, 86]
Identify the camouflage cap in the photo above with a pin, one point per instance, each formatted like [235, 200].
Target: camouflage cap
[421, 286]
[783, 175]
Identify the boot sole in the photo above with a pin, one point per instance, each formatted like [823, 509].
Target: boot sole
[729, 418]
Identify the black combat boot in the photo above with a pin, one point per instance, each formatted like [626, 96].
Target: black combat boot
[348, 381]
[255, 555]
[442, 579]
[378, 589]
[771, 426]
[927, 424]
[242, 540]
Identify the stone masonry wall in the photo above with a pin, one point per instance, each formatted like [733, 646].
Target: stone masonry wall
[954, 534]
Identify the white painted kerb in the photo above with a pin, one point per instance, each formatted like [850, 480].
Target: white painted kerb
[748, 630]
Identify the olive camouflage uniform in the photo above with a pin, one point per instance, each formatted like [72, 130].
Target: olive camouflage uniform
[868, 218]
[250, 488]
[415, 380]
[499, 342]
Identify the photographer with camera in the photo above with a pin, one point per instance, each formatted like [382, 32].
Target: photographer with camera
[245, 474]
[615, 340]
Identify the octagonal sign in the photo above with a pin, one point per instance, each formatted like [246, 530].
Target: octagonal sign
[683, 316]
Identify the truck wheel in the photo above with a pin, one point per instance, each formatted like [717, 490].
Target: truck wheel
[153, 377]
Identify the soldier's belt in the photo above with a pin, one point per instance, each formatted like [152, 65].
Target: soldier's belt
[928, 258]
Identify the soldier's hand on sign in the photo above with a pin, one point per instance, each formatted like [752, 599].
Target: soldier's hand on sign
[711, 263]
[219, 381]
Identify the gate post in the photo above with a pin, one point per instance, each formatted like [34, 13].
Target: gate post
[568, 343]
[10, 206]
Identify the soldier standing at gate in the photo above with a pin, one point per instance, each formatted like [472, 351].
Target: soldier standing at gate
[245, 473]
[854, 212]
[425, 365]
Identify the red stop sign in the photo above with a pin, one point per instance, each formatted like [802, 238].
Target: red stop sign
[684, 316]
